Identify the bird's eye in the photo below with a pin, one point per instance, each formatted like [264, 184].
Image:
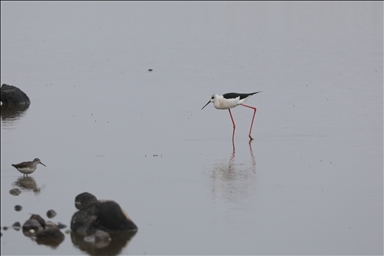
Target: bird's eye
[212, 97]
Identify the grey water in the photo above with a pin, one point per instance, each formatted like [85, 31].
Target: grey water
[311, 181]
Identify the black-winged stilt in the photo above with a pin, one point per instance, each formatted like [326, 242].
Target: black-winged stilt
[231, 100]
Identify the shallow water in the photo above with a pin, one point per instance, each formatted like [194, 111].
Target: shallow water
[311, 182]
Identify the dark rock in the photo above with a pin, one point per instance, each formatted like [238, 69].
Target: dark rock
[61, 225]
[51, 214]
[32, 224]
[39, 219]
[82, 222]
[83, 200]
[11, 95]
[110, 217]
[5, 228]
[18, 208]
[16, 226]
[104, 215]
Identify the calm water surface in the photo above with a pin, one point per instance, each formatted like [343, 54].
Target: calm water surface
[310, 183]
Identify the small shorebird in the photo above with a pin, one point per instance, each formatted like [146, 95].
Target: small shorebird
[28, 167]
[231, 100]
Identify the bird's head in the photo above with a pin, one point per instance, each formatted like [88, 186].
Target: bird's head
[37, 160]
[212, 99]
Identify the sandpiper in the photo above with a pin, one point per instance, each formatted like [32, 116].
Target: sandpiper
[28, 167]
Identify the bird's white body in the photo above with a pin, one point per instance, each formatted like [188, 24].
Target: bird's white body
[27, 170]
[222, 103]
[231, 100]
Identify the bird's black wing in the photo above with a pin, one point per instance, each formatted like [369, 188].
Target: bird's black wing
[233, 95]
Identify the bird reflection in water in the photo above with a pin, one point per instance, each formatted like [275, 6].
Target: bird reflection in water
[232, 180]
[27, 184]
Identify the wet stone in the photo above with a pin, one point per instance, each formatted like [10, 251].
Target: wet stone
[83, 200]
[32, 224]
[16, 226]
[39, 219]
[50, 224]
[51, 214]
[61, 225]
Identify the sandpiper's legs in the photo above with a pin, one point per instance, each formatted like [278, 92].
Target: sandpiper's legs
[253, 118]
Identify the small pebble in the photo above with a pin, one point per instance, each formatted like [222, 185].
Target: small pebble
[150, 69]
[18, 208]
[5, 228]
[51, 214]
[39, 219]
[16, 226]
[61, 225]
[83, 200]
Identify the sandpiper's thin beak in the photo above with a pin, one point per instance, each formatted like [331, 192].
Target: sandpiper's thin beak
[206, 105]
[43, 164]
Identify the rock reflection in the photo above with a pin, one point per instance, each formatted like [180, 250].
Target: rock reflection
[10, 113]
[52, 241]
[27, 184]
[231, 180]
[42, 232]
[119, 240]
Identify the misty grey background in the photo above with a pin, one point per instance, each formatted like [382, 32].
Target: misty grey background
[312, 180]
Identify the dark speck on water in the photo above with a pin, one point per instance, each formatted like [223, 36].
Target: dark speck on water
[18, 208]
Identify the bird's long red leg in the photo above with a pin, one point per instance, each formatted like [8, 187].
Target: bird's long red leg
[234, 125]
[253, 118]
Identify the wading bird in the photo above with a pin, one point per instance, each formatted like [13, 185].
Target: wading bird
[27, 167]
[231, 100]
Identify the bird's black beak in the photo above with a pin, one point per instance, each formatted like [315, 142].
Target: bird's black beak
[43, 164]
[206, 105]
